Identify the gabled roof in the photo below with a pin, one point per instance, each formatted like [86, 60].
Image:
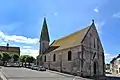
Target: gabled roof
[115, 58]
[71, 40]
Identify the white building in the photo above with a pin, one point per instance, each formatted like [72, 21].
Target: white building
[115, 65]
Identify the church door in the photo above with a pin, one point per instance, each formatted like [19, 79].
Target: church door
[94, 68]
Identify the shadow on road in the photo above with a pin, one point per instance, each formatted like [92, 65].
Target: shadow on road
[112, 78]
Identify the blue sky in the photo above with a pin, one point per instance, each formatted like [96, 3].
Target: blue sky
[21, 22]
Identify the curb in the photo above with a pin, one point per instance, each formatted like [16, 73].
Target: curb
[67, 75]
[63, 74]
[2, 75]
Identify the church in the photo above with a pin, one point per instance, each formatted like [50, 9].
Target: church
[80, 53]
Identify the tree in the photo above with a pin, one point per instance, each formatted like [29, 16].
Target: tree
[5, 57]
[15, 57]
[0, 56]
[29, 59]
[22, 59]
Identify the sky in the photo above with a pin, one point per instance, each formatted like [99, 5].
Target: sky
[21, 22]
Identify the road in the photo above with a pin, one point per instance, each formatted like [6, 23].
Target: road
[28, 74]
[112, 77]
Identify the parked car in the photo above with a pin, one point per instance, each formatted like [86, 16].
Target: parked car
[28, 66]
[34, 67]
[11, 64]
[41, 68]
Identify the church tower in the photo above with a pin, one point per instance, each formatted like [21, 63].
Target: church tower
[44, 37]
[44, 41]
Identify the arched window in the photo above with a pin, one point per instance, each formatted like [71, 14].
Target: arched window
[94, 55]
[54, 57]
[69, 55]
[45, 58]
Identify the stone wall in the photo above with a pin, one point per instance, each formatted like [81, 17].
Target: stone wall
[92, 45]
[62, 63]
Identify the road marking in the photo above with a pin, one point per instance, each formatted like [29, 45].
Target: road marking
[2, 75]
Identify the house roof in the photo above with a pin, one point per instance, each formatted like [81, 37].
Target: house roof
[71, 40]
[10, 49]
[115, 58]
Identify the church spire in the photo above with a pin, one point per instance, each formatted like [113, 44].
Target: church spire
[44, 33]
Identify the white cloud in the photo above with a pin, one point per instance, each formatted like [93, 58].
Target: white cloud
[109, 57]
[3, 43]
[96, 10]
[117, 15]
[19, 39]
[31, 52]
[99, 26]
[28, 47]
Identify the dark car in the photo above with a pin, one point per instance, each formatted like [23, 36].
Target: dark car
[41, 68]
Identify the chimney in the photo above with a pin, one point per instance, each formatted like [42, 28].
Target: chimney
[7, 46]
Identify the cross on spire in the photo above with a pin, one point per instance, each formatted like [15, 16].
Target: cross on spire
[92, 20]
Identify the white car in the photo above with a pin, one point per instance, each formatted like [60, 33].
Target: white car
[41, 68]
[34, 67]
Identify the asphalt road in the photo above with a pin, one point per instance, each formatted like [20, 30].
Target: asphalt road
[112, 77]
[28, 74]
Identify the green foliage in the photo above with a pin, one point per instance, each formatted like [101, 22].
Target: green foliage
[26, 58]
[22, 58]
[0, 56]
[15, 57]
[5, 57]
[29, 59]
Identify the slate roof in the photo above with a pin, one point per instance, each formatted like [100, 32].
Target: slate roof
[44, 33]
[71, 40]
